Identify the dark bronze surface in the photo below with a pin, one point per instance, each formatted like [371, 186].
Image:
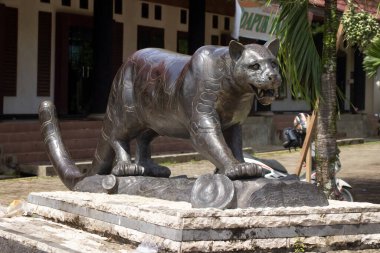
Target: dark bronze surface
[205, 97]
[211, 190]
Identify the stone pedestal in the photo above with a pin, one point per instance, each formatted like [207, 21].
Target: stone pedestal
[176, 227]
[211, 190]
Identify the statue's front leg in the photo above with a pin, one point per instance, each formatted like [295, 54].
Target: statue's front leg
[233, 136]
[208, 139]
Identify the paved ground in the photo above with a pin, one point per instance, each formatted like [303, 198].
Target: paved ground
[360, 168]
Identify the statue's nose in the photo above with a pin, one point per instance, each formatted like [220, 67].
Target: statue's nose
[273, 77]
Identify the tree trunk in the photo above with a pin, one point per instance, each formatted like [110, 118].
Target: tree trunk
[326, 147]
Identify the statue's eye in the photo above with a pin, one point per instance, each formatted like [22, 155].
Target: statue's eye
[255, 66]
[274, 64]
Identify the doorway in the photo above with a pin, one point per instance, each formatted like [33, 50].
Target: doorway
[150, 37]
[74, 62]
[80, 67]
[357, 90]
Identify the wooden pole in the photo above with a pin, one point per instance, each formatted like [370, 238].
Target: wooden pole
[306, 146]
[309, 165]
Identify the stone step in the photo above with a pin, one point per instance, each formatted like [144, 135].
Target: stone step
[36, 135]
[19, 126]
[34, 125]
[46, 169]
[33, 146]
[30, 235]
[84, 150]
[22, 139]
[177, 227]
[41, 157]
[350, 141]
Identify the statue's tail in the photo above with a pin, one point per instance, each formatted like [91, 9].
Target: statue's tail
[59, 157]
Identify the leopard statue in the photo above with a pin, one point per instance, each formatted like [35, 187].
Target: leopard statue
[205, 97]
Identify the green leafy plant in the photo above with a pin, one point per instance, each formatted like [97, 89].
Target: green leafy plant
[360, 27]
[372, 59]
[299, 59]
[299, 246]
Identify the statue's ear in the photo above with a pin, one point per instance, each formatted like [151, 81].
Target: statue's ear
[236, 49]
[273, 46]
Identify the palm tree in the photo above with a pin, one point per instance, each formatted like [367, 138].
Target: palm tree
[313, 77]
[327, 109]
[372, 59]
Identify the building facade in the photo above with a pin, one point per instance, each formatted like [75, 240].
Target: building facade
[46, 51]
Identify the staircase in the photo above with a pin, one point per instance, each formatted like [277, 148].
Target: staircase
[22, 140]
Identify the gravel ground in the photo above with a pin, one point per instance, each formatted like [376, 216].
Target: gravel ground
[360, 168]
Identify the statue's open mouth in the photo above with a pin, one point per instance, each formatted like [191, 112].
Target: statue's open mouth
[265, 96]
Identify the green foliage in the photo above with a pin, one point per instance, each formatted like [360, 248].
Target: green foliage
[299, 246]
[372, 59]
[360, 27]
[300, 62]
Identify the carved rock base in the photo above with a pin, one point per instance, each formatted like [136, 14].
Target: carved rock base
[211, 190]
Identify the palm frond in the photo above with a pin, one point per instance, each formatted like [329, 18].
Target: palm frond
[300, 61]
[372, 59]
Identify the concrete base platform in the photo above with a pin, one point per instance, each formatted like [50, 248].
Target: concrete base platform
[176, 227]
[36, 235]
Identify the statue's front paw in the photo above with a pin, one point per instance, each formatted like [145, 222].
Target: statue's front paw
[245, 170]
[154, 170]
[158, 171]
[123, 168]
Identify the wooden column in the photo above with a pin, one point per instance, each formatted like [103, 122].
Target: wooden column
[103, 19]
[8, 52]
[2, 43]
[197, 12]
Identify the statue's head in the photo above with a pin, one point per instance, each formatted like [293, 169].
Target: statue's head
[256, 66]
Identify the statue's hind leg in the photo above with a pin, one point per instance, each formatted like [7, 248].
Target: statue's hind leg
[143, 156]
[123, 164]
[113, 156]
[103, 158]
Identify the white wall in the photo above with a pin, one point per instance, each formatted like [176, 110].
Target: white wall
[27, 102]
[288, 104]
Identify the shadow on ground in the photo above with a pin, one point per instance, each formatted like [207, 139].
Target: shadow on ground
[365, 190]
